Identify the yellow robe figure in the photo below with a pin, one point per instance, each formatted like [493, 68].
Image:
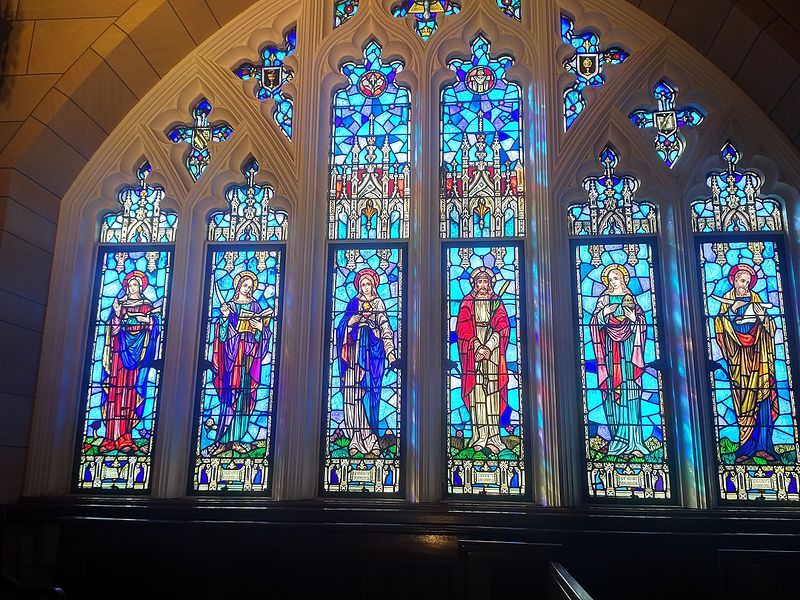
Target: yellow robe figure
[746, 337]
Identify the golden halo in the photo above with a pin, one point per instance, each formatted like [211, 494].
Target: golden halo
[250, 275]
[625, 275]
[485, 271]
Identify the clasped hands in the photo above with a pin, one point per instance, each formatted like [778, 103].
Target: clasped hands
[482, 353]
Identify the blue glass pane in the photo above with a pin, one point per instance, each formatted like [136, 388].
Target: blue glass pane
[623, 403]
[481, 148]
[484, 368]
[667, 121]
[250, 218]
[749, 370]
[199, 134]
[370, 173]
[141, 220]
[586, 64]
[511, 8]
[124, 370]
[343, 10]
[271, 76]
[233, 444]
[366, 369]
[736, 203]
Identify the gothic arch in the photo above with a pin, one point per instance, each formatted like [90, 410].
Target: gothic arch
[556, 163]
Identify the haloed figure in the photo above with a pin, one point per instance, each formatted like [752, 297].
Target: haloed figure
[618, 337]
[130, 347]
[241, 341]
[746, 336]
[483, 330]
[365, 346]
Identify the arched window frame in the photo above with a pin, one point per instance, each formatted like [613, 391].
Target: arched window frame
[551, 157]
[753, 232]
[633, 223]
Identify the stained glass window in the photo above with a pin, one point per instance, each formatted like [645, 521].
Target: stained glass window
[126, 341]
[611, 209]
[750, 348]
[482, 187]
[586, 64]
[735, 204]
[239, 357]
[426, 14]
[343, 10]
[484, 364]
[512, 8]
[667, 120]
[625, 432]
[363, 426]
[271, 74]
[370, 175]
[199, 134]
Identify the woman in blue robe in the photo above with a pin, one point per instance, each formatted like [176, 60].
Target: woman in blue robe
[364, 346]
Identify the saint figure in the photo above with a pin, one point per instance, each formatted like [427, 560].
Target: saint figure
[365, 346]
[746, 337]
[241, 341]
[482, 330]
[130, 346]
[618, 332]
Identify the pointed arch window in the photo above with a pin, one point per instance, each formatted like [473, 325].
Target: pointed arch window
[238, 364]
[750, 346]
[482, 207]
[369, 170]
[126, 341]
[368, 216]
[626, 430]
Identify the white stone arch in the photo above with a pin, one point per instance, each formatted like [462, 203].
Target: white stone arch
[555, 165]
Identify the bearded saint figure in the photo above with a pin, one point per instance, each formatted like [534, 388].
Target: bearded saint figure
[365, 346]
[618, 332]
[129, 348]
[482, 331]
[746, 337]
[241, 341]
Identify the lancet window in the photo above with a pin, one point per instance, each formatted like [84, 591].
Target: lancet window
[124, 352]
[363, 425]
[482, 200]
[238, 363]
[626, 432]
[751, 360]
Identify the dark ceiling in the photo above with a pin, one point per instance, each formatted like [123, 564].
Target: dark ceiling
[754, 42]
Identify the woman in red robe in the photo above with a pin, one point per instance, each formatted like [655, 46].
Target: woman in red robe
[130, 347]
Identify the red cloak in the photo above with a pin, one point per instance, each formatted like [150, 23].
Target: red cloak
[466, 331]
